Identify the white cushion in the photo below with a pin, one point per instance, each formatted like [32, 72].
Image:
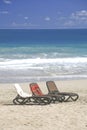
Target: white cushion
[20, 91]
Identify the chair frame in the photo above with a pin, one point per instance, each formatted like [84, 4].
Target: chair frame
[35, 89]
[23, 98]
[52, 88]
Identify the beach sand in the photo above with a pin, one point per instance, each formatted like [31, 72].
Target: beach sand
[59, 116]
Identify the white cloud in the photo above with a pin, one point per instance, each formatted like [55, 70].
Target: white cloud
[4, 12]
[75, 19]
[26, 18]
[59, 12]
[22, 25]
[79, 15]
[14, 24]
[69, 23]
[7, 1]
[47, 18]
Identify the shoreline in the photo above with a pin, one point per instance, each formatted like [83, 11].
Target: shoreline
[26, 79]
[66, 115]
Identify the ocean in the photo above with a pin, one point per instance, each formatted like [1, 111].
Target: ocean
[42, 54]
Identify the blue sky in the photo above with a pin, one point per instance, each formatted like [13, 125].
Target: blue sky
[43, 14]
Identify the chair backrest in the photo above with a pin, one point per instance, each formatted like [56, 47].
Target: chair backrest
[52, 88]
[20, 91]
[35, 89]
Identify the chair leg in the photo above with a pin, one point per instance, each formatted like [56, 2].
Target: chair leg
[43, 100]
[75, 97]
[18, 100]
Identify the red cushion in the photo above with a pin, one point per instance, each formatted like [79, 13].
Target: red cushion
[36, 90]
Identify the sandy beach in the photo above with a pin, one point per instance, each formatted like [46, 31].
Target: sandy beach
[59, 116]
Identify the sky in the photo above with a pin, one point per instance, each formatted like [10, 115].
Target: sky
[43, 14]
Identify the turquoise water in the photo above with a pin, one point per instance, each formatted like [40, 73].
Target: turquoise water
[31, 55]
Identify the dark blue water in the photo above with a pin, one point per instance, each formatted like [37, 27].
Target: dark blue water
[19, 37]
[27, 55]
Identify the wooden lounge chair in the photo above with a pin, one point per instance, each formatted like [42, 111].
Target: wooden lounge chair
[52, 88]
[25, 98]
[36, 91]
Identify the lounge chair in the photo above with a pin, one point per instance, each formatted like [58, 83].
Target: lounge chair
[52, 88]
[36, 91]
[25, 98]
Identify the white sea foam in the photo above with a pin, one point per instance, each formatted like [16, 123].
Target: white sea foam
[39, 60]
[50, 66]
